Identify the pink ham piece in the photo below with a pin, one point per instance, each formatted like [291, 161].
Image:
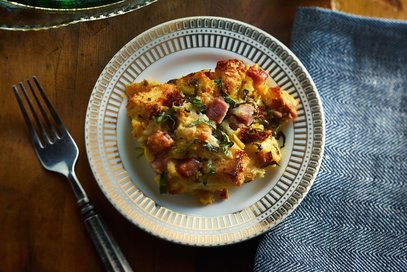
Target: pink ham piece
[189, 167]
[244, 114]
[159, 142]
[258, 75]
[265, 159]
[158, 165]
[217, 110]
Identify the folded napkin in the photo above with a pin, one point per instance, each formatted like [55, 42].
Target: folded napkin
[355, 215]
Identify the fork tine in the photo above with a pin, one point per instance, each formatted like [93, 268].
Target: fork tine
[33, 133]
[54, 114]
[46, 138]
[44, 114]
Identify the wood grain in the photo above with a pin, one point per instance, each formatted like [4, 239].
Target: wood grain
[394, 9]
[40, 226]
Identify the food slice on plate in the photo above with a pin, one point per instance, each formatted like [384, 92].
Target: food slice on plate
[209, 131]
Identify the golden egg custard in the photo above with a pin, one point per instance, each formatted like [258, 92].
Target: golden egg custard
[210, 131]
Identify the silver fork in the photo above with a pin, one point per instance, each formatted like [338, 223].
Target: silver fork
[58, 152]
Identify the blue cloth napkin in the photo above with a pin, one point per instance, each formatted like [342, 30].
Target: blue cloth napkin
[355, 215]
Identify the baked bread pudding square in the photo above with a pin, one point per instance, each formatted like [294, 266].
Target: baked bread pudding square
[209, 131]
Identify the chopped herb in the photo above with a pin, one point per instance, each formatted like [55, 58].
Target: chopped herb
[225, 147]
[202, 121]
[273, 120]
[224, 140]
[219, 84]
[229, 100]
[163, 183]
[211, 148]
[224, 137]
[279, 135]
[262, 121]
[211, 167]
[165, 116]
[210, 170]
[275, 129]
[141, 152]
[198, 104]
[185, 148]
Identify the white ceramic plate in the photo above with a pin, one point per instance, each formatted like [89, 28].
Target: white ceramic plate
[174, 49]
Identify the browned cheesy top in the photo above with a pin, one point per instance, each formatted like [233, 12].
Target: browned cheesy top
[209, 131]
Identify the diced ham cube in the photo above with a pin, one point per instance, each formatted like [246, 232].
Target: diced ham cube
[244, 113]
[265, 159]
[217, 110]
[189, 167]
[158, 165]
[234, 123]
[159, 142]
[258, 75]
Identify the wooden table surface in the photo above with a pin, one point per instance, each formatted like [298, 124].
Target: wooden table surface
[41, 228]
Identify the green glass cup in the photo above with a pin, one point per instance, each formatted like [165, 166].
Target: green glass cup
[65, 4]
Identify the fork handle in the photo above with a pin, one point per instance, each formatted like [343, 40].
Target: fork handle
[109, 252]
